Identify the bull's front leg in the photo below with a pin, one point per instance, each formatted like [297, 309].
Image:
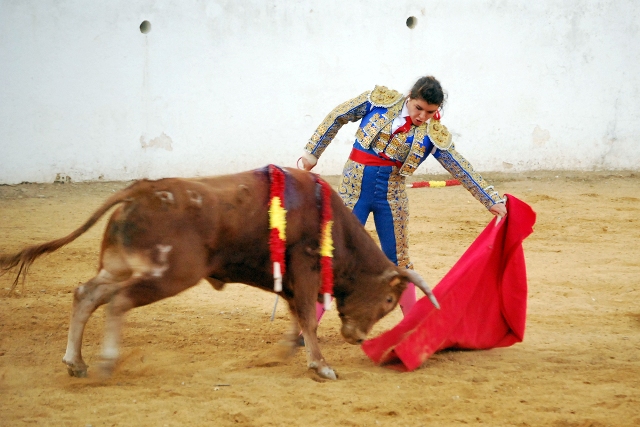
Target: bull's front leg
[315, 360]
[305, 281]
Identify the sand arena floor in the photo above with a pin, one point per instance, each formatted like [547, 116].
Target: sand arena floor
[195, 359]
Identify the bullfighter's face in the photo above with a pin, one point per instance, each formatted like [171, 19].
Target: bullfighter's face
[420, 111]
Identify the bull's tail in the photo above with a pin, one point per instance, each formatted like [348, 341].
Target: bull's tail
[23, 259]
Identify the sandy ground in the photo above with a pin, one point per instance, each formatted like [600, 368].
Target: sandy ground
[192, 359]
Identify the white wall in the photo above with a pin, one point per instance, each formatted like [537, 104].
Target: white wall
[226, 85]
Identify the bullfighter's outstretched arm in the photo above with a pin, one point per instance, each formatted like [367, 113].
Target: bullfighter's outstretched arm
[462, 170]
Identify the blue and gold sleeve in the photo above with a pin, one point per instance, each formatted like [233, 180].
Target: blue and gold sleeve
[350, 111]
[462, 170]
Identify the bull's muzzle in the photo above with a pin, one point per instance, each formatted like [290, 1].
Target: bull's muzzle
[352, 334]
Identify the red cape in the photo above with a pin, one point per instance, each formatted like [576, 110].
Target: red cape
[483, 299]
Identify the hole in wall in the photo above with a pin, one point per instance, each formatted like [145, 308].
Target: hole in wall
[145, 27]
[412, 21]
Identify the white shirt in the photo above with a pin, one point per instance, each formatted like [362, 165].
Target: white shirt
[401, 119]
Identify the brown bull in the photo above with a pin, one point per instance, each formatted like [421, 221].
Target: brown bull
[167, 235]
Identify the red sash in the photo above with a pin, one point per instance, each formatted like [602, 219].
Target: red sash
[369, 159]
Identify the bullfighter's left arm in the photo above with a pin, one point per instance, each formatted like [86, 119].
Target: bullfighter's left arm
[462, 170]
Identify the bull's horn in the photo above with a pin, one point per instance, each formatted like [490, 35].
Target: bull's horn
[420, 282]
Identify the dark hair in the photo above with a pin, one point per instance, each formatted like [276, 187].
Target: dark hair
[428, 89]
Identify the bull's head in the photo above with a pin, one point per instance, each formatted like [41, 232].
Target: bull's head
[360, 309]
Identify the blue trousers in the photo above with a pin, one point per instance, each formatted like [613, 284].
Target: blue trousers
[380, 190]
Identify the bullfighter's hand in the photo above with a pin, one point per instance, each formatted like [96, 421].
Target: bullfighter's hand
[499, 209]
[306, 165]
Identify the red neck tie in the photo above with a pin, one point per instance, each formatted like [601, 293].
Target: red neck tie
[405, 127]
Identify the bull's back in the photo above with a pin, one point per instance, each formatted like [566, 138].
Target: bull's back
[211, 210]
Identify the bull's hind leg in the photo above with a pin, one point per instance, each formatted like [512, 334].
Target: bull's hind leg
[165, 272]
[116, 309]
[86, 299]
[144, 291]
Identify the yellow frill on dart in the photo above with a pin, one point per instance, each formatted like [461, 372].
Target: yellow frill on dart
[278, 217]
[326, 248]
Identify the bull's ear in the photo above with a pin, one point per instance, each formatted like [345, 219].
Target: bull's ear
[392, 277]
[395, 282]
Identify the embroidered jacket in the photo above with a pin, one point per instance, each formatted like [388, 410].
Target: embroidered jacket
[376, 110]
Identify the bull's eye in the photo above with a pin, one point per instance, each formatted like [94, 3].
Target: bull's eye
[390, 299]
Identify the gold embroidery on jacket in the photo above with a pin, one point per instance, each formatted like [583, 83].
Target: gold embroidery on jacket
[381, 96]
[383, 139]
[416, 152]
[380, 126]
[395, 145]
[439, 134]
[403, 149]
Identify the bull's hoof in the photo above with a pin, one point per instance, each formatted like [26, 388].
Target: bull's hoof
[106, 367]
[285, 349]
[327, 372]
[78, 371]
[323, 371]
